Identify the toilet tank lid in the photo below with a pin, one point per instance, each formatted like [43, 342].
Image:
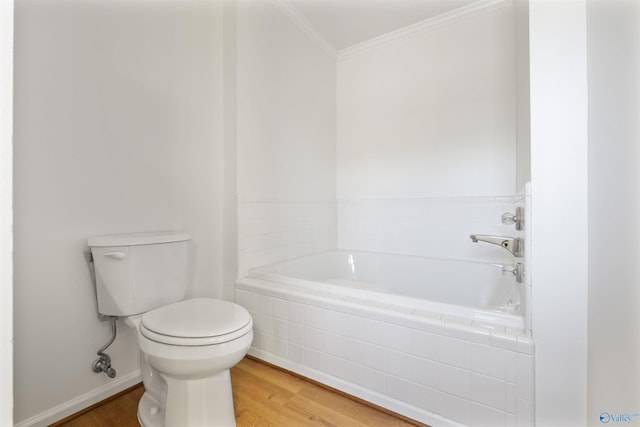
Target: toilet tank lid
[135, 239]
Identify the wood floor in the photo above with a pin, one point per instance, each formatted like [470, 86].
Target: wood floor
[263, 396]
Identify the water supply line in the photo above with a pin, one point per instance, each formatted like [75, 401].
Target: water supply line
[103, 362]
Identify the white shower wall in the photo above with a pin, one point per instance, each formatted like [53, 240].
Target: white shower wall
[412, 142]
[286, 91]
[432, 114]
[431, 227]
[426, 142]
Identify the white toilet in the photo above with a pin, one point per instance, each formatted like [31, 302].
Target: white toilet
[188, 346]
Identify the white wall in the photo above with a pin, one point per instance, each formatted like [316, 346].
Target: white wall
[230, 163]
[427, 125]
[6, 213]
[559, 209]
[613, 37]
[117, 129]
[523, 116]
[286, 90]
[433, 114]
[286, 108]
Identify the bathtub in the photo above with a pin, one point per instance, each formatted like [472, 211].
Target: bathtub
[474, 290]
[439, 341]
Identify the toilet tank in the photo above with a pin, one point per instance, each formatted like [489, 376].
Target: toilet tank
[138, 272]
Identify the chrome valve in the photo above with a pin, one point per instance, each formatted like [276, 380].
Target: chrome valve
[516, 270]
[103, 364]
[516, 218]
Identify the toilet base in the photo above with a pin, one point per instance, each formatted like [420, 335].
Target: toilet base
[150, 412]
[191, 403]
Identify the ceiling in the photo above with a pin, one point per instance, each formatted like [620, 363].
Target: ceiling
[345, 23]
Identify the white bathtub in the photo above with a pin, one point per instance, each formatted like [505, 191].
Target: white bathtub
[434, 340]
[474, 290]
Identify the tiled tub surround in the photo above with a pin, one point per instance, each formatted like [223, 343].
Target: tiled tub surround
[275, 229]
[430, 361]
[432, 227]
[442, 367]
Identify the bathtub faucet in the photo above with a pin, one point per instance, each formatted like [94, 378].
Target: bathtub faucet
[515, 245]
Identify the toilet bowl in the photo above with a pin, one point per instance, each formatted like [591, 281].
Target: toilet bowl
[187, 345]
[188, 348]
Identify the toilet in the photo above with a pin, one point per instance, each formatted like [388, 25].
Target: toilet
[187, 345]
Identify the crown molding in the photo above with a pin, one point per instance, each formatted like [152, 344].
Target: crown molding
[305, 26]
[474, 9]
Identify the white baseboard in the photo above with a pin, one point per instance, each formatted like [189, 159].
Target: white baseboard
[70, 407]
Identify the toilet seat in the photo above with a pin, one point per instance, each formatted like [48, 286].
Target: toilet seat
[196, 322]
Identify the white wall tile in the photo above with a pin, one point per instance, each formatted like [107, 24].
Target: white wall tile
[296, 333]
[272, 231]
[512, 366]
[489, 391]
[425, 371]
[460, 373]
[425, 344]
[489, 360]
[373, 356]
[373, 379]
[280, 328]
[248, 300]
[504, 340]
[525, 377]
[313, 316]
[264, 304]
[398, 364]
[512, 398]
[313, 338]
[424, 227]
[455, 352]
[352, 326]
[281, 348]
[332, 343]
[296, 312]
[263, 323]
[398, 388]
[526, 414]
[313, 359]
[296, 353]
[483, 416]
[331, 365]
[455, 381]
[280, 308]
[424, 397]
[351, 371]
[455, 408]
[332, 321]
[398, 338]
[263, 341]
[373, 331]
[352, 349]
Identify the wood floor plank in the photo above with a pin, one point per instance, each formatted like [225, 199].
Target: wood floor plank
[267, 373]
[264, 396]
[324, 415]
[357, 411]
[120, 412]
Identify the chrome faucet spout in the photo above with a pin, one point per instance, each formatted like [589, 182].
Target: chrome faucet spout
[515, 245]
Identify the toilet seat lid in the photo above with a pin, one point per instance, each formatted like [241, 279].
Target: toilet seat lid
[198, 321]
